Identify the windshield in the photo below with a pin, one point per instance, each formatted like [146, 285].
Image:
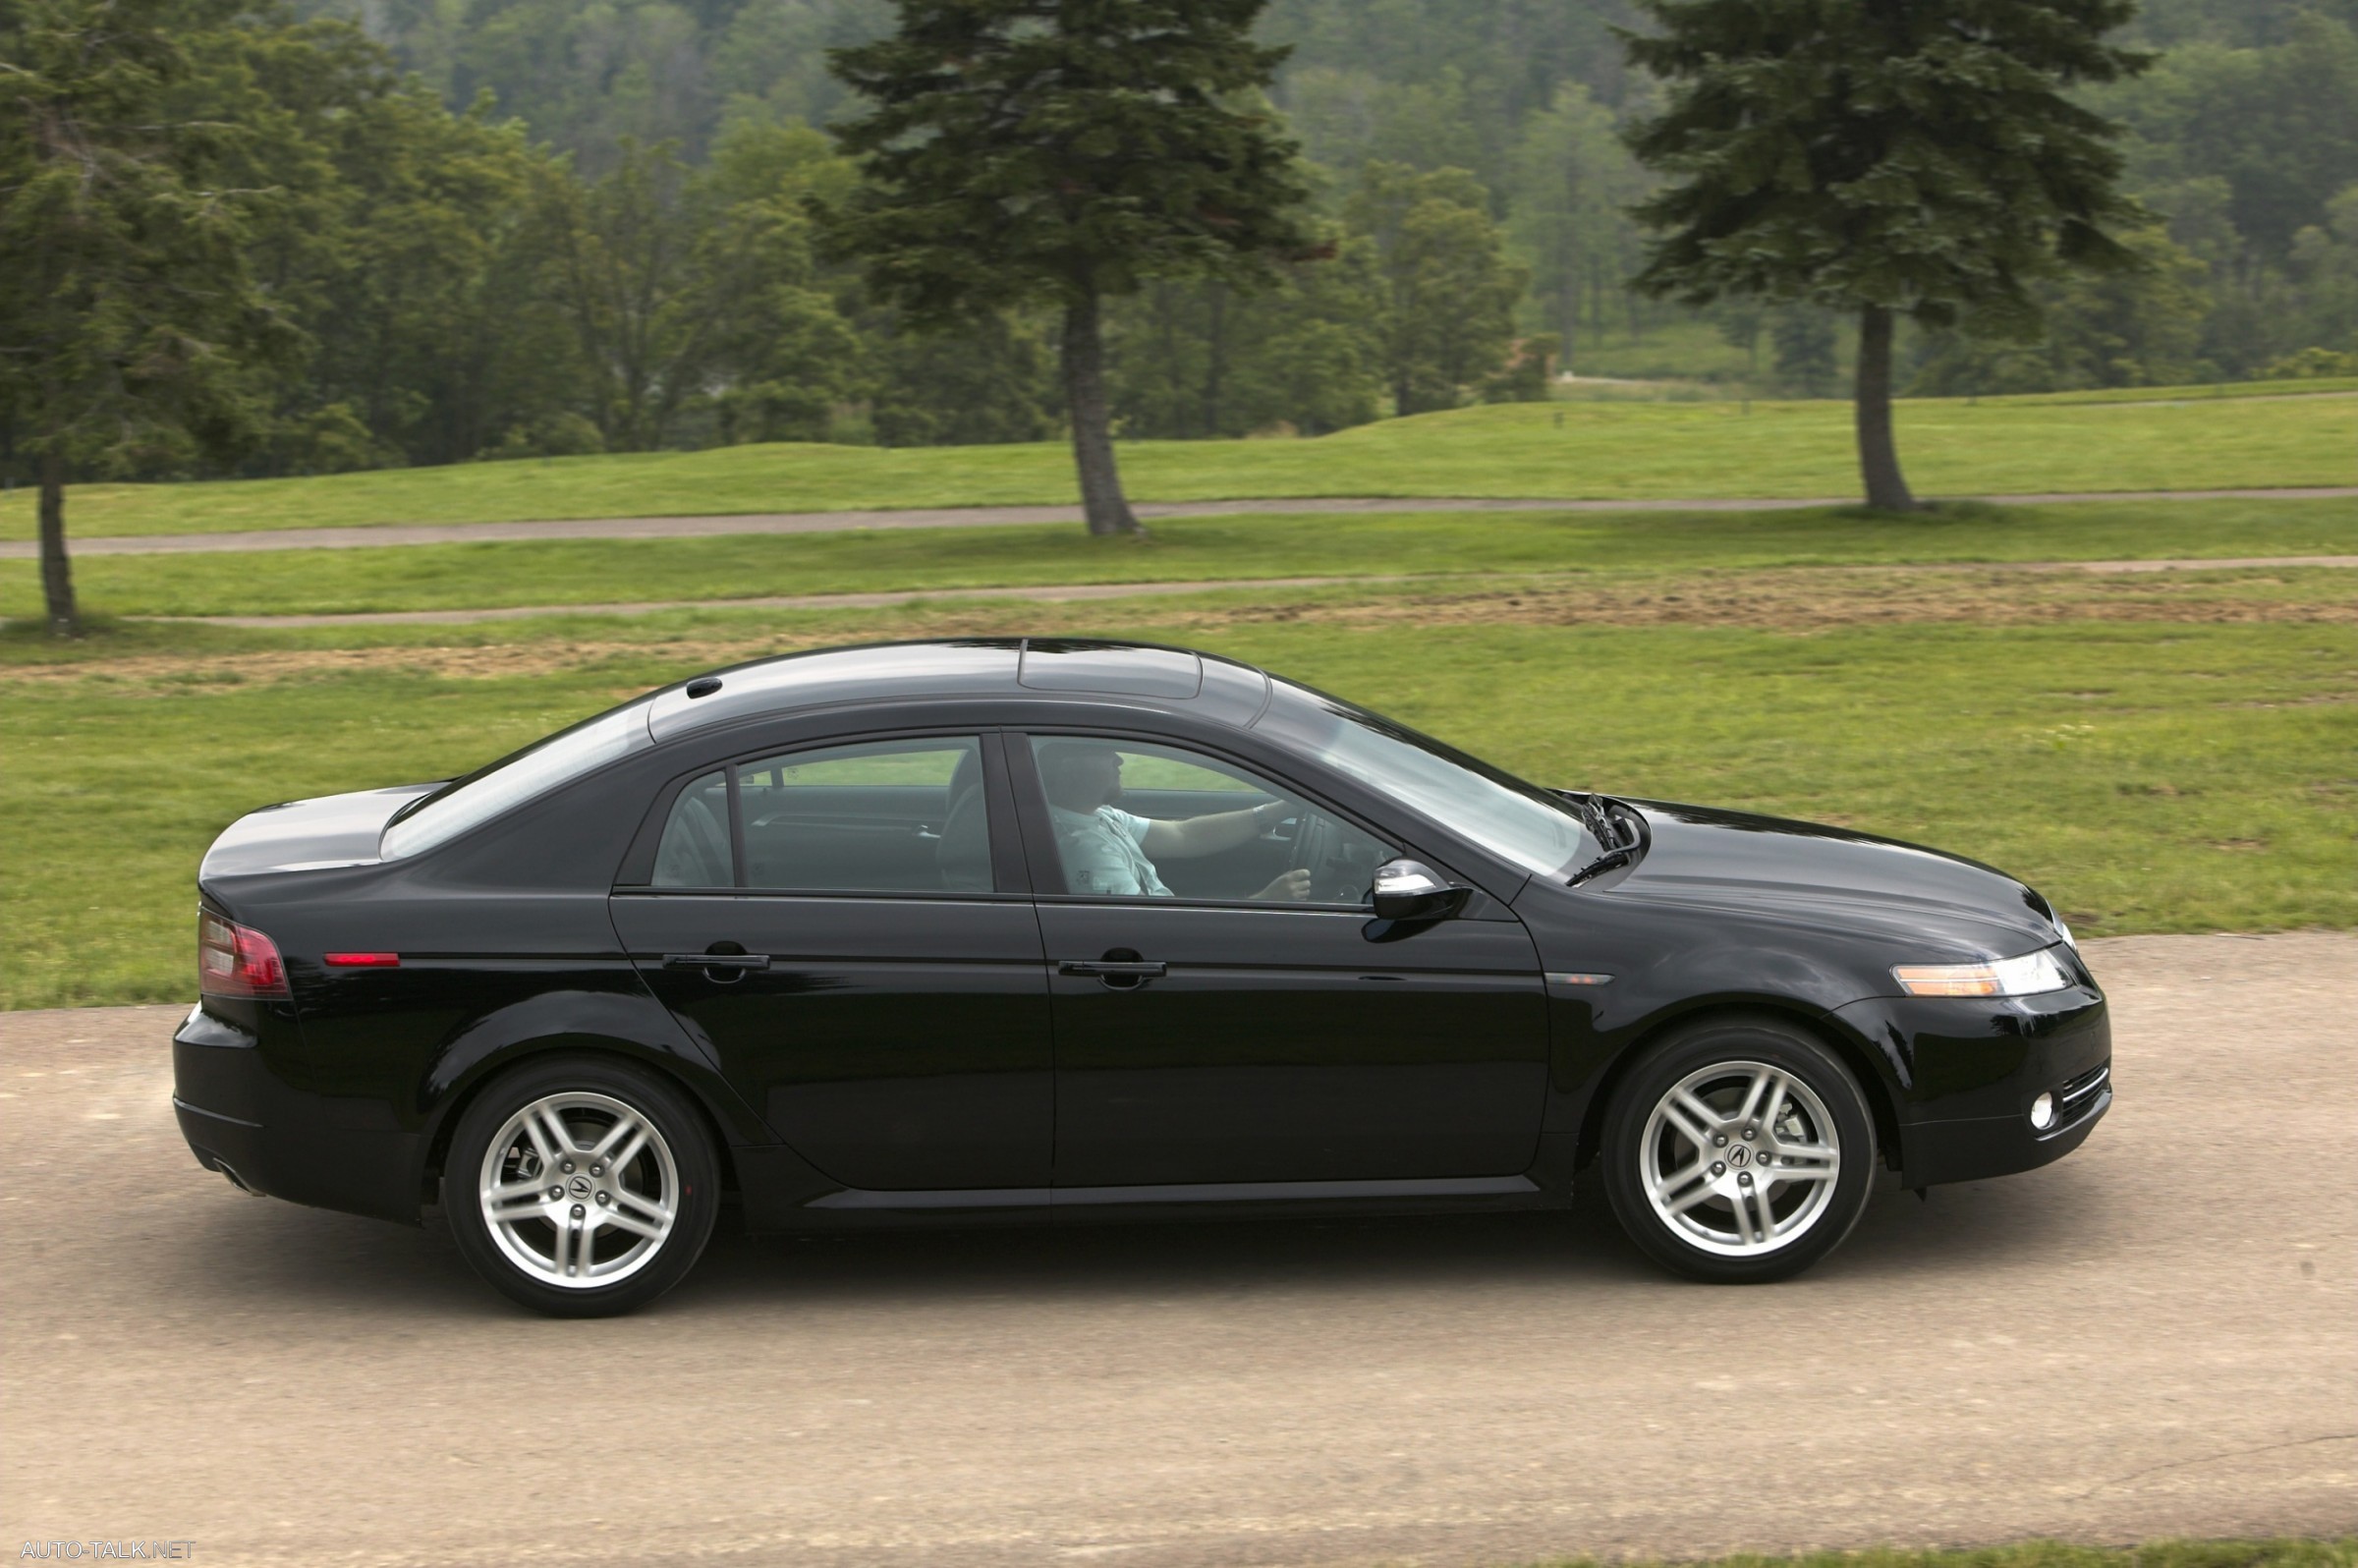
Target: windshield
[1517, 821]
[525, 775]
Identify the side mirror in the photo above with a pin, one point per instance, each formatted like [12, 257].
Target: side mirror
[1407, 890]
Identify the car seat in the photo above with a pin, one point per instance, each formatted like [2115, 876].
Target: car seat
[695, 852]
[964, 853]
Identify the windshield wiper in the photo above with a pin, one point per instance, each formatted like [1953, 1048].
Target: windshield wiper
[1623, 839]
[1602, 863]
[1592, 816]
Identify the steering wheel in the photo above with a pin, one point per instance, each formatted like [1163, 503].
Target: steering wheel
[1315, 846]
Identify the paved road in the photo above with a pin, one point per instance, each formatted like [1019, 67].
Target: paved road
[1078, 592]
[373, 536]
[2154, 1337]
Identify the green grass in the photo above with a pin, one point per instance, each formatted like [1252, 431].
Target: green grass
[2149, 777]
[2314, 387]
[2341, 1553]
[1600, 450]
[740, 566]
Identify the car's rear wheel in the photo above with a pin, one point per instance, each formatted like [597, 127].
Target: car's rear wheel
[581, 1187]
[1739, 1151]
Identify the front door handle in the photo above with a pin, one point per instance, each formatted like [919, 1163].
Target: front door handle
[738, 963]
[1115, 968]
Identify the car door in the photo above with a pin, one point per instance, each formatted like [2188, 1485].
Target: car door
[1210, 1029]
[846, 927]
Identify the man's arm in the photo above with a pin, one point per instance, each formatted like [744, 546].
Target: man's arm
[1192, 836]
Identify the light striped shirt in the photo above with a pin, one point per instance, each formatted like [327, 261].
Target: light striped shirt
[1102, 852]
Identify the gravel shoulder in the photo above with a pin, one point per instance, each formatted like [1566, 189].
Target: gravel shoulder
[2150, 1338]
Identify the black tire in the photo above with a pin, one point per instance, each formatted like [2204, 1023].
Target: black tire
[1720, 1059]
[674, 1169]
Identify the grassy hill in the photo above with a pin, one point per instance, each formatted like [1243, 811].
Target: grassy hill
[2194, 439]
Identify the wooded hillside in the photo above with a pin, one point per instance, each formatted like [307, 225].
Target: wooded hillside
[501, 228]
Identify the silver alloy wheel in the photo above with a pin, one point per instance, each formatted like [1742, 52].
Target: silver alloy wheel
[579, 1190]
[1740, 1158]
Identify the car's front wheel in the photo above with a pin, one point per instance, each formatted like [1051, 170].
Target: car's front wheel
[580, 1187]
[1740, 1151]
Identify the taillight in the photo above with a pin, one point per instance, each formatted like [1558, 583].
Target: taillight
[234, 960]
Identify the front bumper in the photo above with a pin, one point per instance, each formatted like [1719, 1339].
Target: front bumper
[1971, 1148]
[242, 1119]
[1968, 1072]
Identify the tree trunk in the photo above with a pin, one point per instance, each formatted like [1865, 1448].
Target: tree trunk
[1101, 500]
[57, 573]
[1879, 454]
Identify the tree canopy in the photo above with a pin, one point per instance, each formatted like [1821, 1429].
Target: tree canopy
[2237, 138]
[1444, 306]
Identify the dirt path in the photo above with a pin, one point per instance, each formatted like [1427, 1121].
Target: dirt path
[2152, 1338]
[1081, 592]
[373, 536]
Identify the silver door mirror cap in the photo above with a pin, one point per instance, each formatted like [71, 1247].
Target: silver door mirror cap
[1410, 890]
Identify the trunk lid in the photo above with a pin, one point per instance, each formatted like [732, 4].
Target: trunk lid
[327, 830]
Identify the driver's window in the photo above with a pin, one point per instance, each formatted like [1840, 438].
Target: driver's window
[1137, 820]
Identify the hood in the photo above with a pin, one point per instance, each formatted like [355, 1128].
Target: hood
[1806, 873]
[307, 835]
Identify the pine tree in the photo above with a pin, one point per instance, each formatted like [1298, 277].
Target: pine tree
[131, 322]
[1053, 152]
[1890, 157]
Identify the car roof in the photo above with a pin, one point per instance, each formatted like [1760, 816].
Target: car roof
[1137, 673]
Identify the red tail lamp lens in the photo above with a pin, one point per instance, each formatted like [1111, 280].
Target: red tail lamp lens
[362, 959]
[234, 960]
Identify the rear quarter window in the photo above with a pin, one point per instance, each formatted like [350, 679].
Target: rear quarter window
[540, 769]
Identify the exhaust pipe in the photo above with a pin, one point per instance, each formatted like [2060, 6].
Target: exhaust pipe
[214, 1161]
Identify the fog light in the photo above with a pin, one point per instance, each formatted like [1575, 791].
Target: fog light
[2043, 1113]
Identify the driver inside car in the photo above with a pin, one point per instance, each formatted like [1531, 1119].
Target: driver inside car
[1107, 850]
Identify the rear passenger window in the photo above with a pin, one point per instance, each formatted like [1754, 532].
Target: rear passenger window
[695, 851]
[888, 816]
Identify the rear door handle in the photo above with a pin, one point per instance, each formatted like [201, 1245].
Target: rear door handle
[1120, 969]
[738, 961]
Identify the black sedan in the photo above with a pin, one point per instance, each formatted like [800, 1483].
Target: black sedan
[993, 931]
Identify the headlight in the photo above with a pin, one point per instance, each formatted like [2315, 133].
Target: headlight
[2026, 976]
[2065, 931]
